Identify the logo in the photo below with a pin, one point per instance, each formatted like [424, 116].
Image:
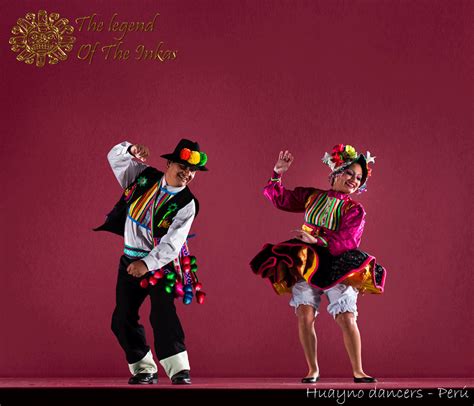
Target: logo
[40, 37]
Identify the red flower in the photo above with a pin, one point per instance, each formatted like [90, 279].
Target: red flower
[338, 148]
[337, 159]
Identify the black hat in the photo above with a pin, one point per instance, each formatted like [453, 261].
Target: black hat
[188, 153]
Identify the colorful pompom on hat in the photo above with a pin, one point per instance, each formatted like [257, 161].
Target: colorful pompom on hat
[343, 156]
[188, 153]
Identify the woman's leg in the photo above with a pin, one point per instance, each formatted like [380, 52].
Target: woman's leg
[308, 339]
[343, 307]
[352, 341]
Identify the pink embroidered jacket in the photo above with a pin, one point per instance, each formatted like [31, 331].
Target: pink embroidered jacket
[333, 218]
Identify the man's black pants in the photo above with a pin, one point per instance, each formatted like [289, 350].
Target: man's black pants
[167, 330]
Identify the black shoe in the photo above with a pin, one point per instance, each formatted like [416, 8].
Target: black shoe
[365, 379]
[143, 379]
[181, 378]
[310, 379]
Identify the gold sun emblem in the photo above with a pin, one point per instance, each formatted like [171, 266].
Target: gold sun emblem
[40, 36]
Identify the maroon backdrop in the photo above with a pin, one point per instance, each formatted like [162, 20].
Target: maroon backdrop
[251, 78]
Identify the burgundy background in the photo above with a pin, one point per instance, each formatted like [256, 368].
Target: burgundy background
[251, 78]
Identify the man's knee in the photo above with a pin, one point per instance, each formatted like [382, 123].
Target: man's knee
[121, 318]
[118, 321]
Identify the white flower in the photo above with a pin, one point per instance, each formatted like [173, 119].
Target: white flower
[327, 159]
[369, 158]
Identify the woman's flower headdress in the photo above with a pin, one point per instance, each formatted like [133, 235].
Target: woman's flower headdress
[343, 156]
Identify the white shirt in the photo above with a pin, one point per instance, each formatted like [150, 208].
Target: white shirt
[126, 169]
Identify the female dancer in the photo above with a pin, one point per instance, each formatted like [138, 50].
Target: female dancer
[323, 258]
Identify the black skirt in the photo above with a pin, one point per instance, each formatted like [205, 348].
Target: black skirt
[285, 263]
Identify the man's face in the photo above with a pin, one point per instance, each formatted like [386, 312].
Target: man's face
[178, 174]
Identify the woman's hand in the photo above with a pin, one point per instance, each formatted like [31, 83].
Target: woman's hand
[305, 237]
[285, 159]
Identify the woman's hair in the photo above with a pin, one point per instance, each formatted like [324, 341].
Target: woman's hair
[336, 173]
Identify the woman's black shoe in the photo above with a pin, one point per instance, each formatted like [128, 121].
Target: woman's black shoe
[143, 379]
[310, 379]
[365, 379]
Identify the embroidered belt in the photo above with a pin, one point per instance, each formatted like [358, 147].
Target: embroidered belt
[315, 232]
[135, 252]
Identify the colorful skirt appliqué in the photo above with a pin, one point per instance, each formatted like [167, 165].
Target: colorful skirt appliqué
[289, 261]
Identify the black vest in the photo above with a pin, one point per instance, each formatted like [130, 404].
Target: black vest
[162, 218]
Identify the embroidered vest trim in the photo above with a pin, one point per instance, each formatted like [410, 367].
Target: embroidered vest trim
[137, 197]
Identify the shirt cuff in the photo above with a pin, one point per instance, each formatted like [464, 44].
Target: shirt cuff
[124, 150]
[276, 177]
[119, 152]
[152, 263]
[321, 241]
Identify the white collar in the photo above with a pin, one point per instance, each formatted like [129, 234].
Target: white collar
[170, 189]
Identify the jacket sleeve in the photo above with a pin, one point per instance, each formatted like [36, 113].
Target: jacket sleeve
[125, 168]
[287, 200]
[349, 235]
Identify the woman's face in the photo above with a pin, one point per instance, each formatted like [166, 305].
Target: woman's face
[349, 180]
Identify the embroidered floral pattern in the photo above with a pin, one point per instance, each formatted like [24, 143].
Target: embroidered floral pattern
[142, 181]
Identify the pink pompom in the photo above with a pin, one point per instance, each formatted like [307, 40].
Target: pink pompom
[158, 275]
[186, 260]
[179, 290]
[200, 296]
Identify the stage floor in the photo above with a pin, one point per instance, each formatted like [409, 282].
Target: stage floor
[328, 391]
[234, 383]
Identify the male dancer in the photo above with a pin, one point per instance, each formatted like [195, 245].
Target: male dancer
[154, 215]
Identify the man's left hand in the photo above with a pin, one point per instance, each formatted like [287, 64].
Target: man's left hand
[137, 269]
